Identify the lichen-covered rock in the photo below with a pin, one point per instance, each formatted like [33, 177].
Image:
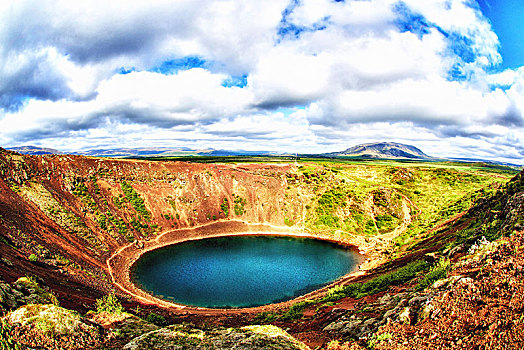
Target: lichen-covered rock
[185, 337]
[405, 316]
[53, 327]
[426, 311]
[24, 291]
[123, 327]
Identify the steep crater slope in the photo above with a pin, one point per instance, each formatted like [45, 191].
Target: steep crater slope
[460, 287]
[62, 218]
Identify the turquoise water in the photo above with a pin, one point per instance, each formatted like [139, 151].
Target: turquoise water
[241, 271]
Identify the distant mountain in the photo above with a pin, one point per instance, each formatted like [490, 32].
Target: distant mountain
[33, 150]
[382, 150]
[167, 152]
[137, 152]
[480, 160]
[143, 152]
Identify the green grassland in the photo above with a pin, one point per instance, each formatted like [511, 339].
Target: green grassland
[365, 197]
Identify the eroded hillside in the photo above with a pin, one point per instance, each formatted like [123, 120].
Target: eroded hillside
[63, 218]
[68, 214]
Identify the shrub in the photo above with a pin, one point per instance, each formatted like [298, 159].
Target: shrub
[375, 339]
[239, 206]
[33, 258]
[225, 207]
[370, 228]
[265, 317]
[134, 198]
[440, 270]
[288, 222]
[386, 223]
[155, 319]
[110, 304]
[296, 310]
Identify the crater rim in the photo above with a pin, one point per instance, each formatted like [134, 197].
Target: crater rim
[124, 259]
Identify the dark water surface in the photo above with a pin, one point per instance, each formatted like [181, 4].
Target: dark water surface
[241, 271]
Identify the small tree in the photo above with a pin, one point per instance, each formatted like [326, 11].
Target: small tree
[110, 304]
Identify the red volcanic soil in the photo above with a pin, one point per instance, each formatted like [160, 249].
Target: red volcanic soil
[43, 211]
[69, 221]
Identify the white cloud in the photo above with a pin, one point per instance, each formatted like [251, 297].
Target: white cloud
[344, 69]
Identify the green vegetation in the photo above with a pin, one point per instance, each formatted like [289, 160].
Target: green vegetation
[239, 204]
[33, 257]
[440, 270]
[155, 319]
[328, 203]
[377, 284]
[80, 189]
[373, 197]
[386, 223]
[296, 310]
[95, 184]
[61, 214]
[173, 204]
[53, 320]
[225, 207]
[118, 201]
[29, 282]
[136, 201]
[110, 304]
[265, 317]
[375, 339]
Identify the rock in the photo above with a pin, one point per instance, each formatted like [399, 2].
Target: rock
[445, 282]
[405, 316]
[7, 262]
[431, 258]
[124, 326]
[24, 291]
[467, 282]
[335, 326]
[426, 311]
[386, 299]
[370, 322]
[184, 337]
[416, 300]
[53, 327]
[353, 328]
[389, 314]
[455, 250]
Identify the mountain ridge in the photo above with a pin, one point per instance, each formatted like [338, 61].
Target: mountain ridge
[372, 150]
[379, 150]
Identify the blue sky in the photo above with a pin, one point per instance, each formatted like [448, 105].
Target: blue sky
[507, 19]
[304, 76]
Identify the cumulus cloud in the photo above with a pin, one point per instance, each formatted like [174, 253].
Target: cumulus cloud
[304, 76]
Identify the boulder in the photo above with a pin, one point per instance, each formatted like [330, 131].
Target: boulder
[184, 337]
[405, 316]
[53, 327]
